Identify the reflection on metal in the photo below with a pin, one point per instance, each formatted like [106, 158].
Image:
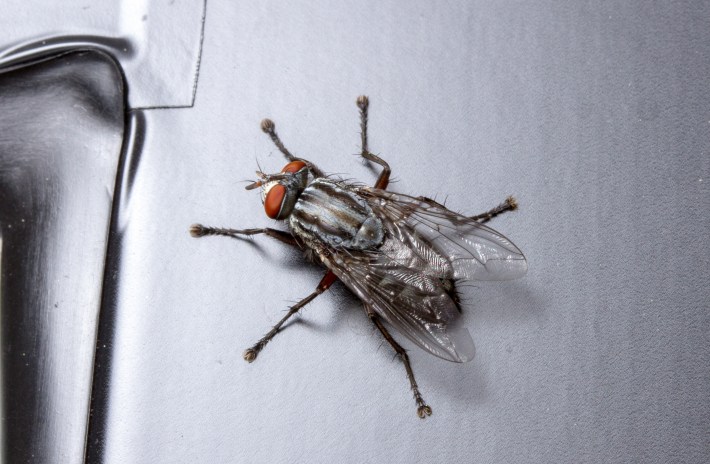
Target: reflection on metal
[61, 132]
[157, 43]
[127, 169]
[3, 443]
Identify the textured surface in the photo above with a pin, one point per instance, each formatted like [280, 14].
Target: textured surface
[61, 129]
[595, 115]
[157, 42]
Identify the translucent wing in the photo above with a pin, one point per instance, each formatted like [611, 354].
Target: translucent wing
[409, 279]
[471, 250]
[415, 303]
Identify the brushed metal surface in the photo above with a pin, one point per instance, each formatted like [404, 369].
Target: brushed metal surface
[61, 131]
[596, 116]
[157, 42]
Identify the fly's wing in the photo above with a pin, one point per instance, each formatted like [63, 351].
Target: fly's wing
[415, 303]
[409, 279]
[470, 250]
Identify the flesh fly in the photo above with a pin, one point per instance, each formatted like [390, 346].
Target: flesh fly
[403, 256]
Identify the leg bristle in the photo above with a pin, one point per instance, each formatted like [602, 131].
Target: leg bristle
[249, 355]
[362, 102]
[423, 411]
[197, 230]
[268, 126]
[512, 202]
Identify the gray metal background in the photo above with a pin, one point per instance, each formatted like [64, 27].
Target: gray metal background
[596, 115]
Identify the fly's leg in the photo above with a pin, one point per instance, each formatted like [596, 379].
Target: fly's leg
[363, 103]
[250, 354]
[510, 204]
[423, 410]
[268, 126]
[198, 230]
[383, 180]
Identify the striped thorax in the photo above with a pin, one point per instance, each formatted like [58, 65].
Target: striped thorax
[328, 212]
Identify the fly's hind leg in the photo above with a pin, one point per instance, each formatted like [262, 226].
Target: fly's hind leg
[198, 230]
[510, 204]
[250, 354]
[423, 410]
[383, 180]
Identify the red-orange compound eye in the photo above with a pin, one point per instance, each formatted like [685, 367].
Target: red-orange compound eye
[293, 166]
[274, 199]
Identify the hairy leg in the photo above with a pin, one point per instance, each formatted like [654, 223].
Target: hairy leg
[268, 126]
[423, 410]
[251, 353]
[383, 180]
[198, 230]
[510, 204]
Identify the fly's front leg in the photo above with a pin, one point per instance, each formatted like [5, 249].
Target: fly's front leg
[423, 410]
[268, 126]
[198, 230]
[383, 180]
[510, 204]
[250, 354]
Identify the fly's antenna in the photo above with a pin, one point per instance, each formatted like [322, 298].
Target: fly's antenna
[266, 178]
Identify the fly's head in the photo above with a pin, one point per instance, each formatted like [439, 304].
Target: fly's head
[279, 192]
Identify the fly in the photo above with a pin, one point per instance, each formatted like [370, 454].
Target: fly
[401, 255]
